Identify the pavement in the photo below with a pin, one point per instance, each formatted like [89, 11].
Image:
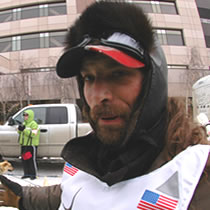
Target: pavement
[49, 173]
[46, 167]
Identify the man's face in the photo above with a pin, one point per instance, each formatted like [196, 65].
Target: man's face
[110, 91]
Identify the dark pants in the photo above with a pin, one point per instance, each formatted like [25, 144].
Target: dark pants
[28, 155]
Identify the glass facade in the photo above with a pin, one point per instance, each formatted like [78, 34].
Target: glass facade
[32, 41]
[204, 12]
[42, 69]
[56, 39]
[163, 7]
[170, 37]
[35, 11]
[5, 16]
[6, 44]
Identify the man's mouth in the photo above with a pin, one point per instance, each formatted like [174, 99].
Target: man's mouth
[110, 120]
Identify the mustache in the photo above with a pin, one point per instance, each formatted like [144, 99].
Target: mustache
[108, 111]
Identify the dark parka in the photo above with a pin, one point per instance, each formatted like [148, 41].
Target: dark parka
[143, 146]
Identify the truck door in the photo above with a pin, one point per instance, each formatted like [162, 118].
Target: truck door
[58, 128]
[9, 146]
[40, 114]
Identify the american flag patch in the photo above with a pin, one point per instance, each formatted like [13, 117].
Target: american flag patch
[69, 169]
[154, 201]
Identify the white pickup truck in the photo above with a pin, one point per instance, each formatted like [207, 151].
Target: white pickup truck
[58, 123]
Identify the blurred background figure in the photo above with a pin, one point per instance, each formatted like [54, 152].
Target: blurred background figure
[29, 134]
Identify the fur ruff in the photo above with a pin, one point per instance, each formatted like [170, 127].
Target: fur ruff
[102, 19]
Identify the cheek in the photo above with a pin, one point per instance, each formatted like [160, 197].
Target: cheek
[87, 95]
[131, 93]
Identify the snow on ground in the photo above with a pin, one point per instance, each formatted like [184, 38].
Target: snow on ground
[40, 181]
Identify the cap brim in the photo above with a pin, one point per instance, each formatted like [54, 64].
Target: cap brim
[69, 63]
[116, 55]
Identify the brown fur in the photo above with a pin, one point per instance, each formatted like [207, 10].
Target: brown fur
[103, 18]
[182, 131]
[5, 166]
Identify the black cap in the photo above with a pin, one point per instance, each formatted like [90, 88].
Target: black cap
[120, 47]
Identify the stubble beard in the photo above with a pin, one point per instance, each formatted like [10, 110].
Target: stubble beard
[110, 134]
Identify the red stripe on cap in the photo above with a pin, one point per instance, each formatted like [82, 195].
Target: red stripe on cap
[116, 55]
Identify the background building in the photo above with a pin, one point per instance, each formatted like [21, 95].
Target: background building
[204, 12]
[32, 34]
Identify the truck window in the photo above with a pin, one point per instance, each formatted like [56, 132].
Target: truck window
[39, 113]
[19, 118]
[57, 115]
[79, 115]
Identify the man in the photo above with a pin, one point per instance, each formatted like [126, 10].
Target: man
[29, 140]
[130, 159]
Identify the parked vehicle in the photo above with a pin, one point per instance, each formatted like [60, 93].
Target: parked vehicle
[58, 123]
[201, 96]
[201, 102]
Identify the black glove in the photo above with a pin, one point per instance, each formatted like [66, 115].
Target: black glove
[11, 193]
[21, 127]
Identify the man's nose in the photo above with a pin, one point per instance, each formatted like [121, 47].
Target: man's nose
[102, 92]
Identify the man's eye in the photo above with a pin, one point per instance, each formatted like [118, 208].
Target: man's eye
[118, 74]
[88, 78]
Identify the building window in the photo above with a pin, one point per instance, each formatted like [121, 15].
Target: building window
[206, 30]
[170, 37]
[5, 44]
[29, 12]
[207, 39]
[32, 41]
[168, 8]
[52, 9]
[204, 13]
[15, 43]
[163, 7]
[42, 69]
[35, 11]
[173, 66]
[57, 9]
[5, 16]
[44, 40]
[57, 39]
[16, 14]
[43, 9]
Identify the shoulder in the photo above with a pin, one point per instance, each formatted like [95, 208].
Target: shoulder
[164, 156]
[208, 164]
[79, 145]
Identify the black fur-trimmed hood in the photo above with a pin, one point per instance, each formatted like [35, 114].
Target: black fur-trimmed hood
[103, 18]
[147, 130]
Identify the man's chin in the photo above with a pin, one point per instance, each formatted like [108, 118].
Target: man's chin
[110, 137]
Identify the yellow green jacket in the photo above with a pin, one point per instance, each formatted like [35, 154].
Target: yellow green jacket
[30, 135]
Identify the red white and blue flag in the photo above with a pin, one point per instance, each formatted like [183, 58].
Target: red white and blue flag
[154, 201]
[69, 169]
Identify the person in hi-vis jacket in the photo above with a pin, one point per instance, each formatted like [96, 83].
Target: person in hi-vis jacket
[29, 140]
